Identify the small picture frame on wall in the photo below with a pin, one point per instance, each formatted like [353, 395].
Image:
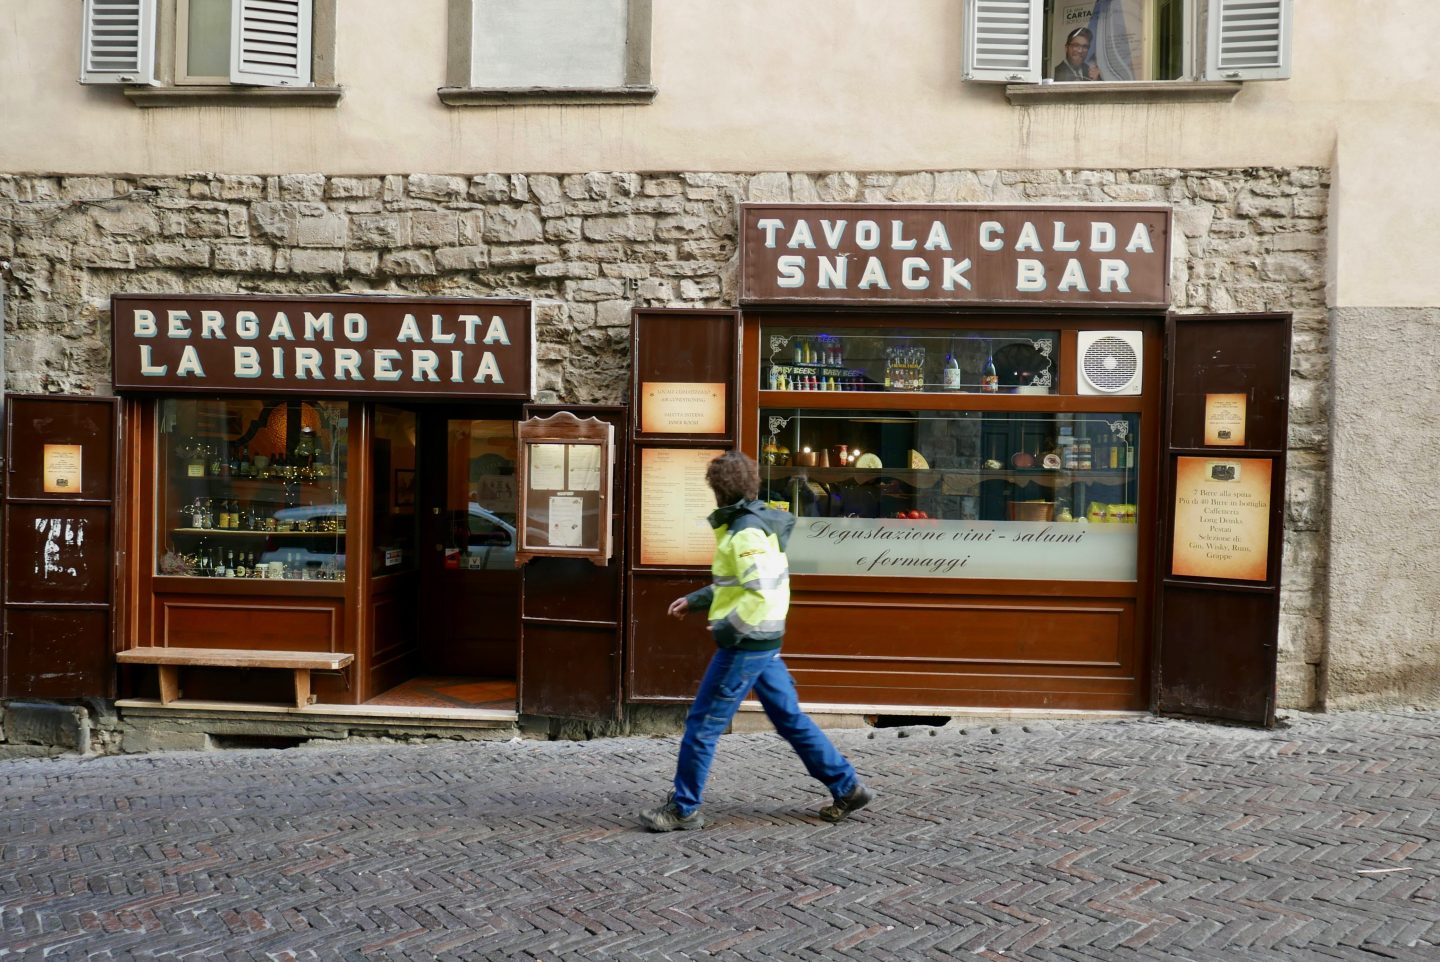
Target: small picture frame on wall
[404, 487]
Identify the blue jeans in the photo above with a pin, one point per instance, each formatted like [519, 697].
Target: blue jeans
[730, 677]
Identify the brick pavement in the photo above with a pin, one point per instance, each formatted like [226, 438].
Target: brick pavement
[1092, 840]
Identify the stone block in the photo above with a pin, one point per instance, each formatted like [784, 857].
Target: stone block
[663, 187]
[546, 188]
[376, 230]
[137, 741]
[174, 254]
[600, 289]
[626, 270]
[434, 228]
[563, 228]
[277, 222]
[632, 227]
[130, 221]
[461, 258]
[340, 188]
[683, 227]
[575, 270]
[51, 725]
[364, 263]
[837, 187]
[411, 262]
[243, 258]
[913, 187]
[309, 187]
[613, 313]
[517, 255]
[87, 188]
[316, 261]
[206, 223]
[768, 187]
[512, 225]
[591, 186]
[326, 230]
[697, 290]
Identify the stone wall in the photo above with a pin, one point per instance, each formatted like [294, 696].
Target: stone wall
[587, 248]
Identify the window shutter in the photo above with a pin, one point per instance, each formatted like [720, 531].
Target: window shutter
[270, 42]
[1248, 40]
[1002, 40]
[119, 42]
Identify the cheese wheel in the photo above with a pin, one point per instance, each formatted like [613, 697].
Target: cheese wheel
[868, 461]
[917, 460]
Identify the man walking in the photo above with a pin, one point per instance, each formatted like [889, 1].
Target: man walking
[747, 600]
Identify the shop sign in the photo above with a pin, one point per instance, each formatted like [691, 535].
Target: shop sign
[1074, 255]
[1024, 550]
[1222, 518]
[320, 346]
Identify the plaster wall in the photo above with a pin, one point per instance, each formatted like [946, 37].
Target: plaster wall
[1384, 595]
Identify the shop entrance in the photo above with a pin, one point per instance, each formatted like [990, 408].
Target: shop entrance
[448, 475]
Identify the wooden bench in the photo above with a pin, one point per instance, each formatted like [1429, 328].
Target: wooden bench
[171, 660]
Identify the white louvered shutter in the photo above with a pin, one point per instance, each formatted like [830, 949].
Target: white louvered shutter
[1248, 40]
[270, 42]
[118, 46]
[1002, 40]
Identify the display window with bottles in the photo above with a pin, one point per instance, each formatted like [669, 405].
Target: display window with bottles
[252, 488]
[955, 494]
[951, 360]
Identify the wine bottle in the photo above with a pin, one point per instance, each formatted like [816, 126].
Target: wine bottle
[989, 379]
[952, 373]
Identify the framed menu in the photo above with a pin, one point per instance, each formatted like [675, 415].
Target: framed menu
[566, 470]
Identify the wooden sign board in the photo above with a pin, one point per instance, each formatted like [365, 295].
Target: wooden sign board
[566, 471]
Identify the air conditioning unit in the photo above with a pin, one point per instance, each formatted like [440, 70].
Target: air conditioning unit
[1109, 362]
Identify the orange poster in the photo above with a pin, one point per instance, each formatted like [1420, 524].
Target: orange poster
[676, 407]
[675, 503]
[1222, 518]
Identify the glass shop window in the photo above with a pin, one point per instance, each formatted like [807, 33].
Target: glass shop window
[252, 488]
[964, 494]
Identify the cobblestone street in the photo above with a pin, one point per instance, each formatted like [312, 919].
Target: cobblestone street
[1087, 840]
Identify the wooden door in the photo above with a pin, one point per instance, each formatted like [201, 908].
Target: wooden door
[466, 503]
[59, 547]
[571, 619]
[1223, 505]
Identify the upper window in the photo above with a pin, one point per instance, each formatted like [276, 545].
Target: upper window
[177, 47]
[549, 51]
[1065, 41]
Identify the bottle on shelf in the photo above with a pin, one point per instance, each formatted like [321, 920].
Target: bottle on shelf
[247, 470]
[213, 464]
[989, 378]
[951, 375]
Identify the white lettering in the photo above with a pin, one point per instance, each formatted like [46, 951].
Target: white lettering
[145, 325]
[322, 326]
[455, 376]
[792, 271]
[769, 225]
[1073, 278]
[1029, 275]
[830, 272]
[410, 330]
[1061, 244]
[489, 368]
[801, 236]
[280, 328]
[955, 274]
[385, 364]
[939, 239]
[495, 333]
[437, 332]
[212, 325]
[277, 355]
[867, 235]
[356, 327]
[908, 267]
[898, 240]
[991, 234]
[1102, 237]
[189, 363]
[472, 321]
[1116, 271]
[176, 327]
[247, 362]
[873, 275]
[148, 367]
[834, 232]
[247, 325]
[1140, 241]
[307, 364]
[347, 364]
[426, 363]
[1029, 238]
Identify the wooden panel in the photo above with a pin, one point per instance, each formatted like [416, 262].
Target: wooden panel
[1247, 355]
[57, 653]
[197, 622]
[393, 655]
[1202, 668]
[57, 554]
[562, 661]
[35, 422]
[668, 657]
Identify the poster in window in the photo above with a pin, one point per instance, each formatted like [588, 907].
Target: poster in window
[1102, 40]
[547, 467]
[672, 407]
[1222, 518]
[566, 516]
[62, 468]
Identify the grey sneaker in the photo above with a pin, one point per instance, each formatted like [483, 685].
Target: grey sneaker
[667, 818]
[858, 798]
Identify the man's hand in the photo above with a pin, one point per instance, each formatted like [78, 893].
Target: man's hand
[678, 607]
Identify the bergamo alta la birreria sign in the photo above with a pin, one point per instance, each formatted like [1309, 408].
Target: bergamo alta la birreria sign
[331, 345]
[1055, 255]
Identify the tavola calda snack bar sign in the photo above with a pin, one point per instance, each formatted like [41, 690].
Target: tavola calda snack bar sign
[1093, 254]
[324, 345]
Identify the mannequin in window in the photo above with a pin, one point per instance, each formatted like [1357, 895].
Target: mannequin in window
[1074, 66]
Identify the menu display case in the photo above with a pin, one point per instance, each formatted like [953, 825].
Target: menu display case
[252, 489]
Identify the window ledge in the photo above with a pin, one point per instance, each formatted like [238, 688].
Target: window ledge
[226, 95]
[519, 96]
[1128, 92]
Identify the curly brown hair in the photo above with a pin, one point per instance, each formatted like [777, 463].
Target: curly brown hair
[734, 476]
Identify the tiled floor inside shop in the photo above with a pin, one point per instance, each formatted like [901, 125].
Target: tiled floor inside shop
[441, 691]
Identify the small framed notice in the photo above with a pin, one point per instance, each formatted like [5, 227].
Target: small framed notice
[566, 470]
[675, 506]
[62, 468]
[1222, 518]
[668, 407]
[1225, 420]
